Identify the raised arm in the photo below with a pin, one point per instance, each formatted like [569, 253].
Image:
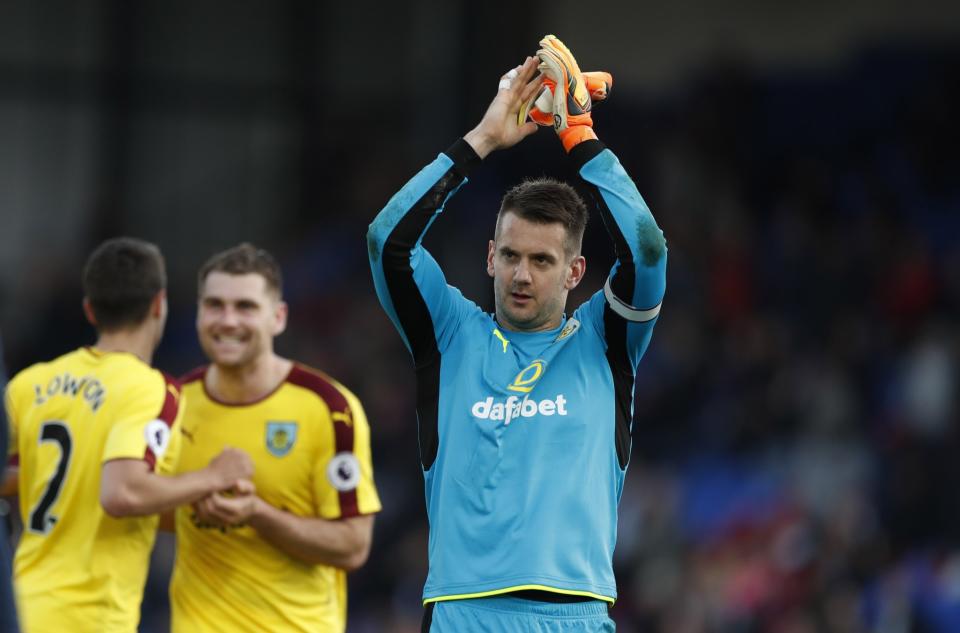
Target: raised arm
[409, 283]
[634, 290]
[635, 287]
[627, 308]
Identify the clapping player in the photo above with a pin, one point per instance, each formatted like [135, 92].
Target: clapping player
[524, 415]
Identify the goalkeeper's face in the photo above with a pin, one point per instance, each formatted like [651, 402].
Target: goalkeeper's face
[532, 273]
[237, 319]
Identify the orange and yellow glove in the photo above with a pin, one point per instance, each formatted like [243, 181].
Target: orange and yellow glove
[571, 98]
[540, 108]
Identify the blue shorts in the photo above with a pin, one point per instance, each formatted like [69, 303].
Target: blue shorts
[506, 614]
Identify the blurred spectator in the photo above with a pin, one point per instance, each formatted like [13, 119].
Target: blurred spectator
[8, 613]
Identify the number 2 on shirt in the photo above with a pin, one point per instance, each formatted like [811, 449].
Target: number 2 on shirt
[55, 431]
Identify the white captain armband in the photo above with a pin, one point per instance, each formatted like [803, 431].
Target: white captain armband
[626, 310]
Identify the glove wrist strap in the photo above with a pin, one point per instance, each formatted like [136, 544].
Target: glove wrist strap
[576, 134]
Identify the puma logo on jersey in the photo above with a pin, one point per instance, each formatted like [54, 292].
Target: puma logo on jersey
[514, 407]
[342, 416]
[503, 341]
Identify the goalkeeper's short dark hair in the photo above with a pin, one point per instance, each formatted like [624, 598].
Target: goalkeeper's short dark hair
[548, 201]
[120, 280]
[244, 259]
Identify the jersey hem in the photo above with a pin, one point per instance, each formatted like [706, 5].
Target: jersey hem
[503, 590]
[354, 515]
[137, 458]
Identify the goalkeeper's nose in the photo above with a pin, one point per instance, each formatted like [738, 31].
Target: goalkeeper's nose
[521, 274]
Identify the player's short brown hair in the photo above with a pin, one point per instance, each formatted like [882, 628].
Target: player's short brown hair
[546, 201]
[244, 259]
[120, 280]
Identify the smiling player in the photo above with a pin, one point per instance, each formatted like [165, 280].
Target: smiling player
[273, 557]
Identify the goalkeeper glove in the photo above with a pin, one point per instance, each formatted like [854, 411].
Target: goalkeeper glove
[571, 99]
[540, 107]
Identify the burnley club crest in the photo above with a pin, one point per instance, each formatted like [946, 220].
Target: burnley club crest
[280, 437]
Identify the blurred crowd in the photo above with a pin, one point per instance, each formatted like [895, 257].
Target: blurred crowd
[795, 446]
[795, 451]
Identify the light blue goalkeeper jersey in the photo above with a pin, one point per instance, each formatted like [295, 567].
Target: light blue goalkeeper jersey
[524, 437]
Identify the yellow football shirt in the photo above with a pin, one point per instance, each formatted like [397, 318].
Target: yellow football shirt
[76, 568]
[310, 445]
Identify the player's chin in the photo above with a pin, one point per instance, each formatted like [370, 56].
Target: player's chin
[230, 360]
[227, 356]
[522, 317]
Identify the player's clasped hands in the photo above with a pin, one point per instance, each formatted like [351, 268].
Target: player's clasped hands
[234, 503]
[230, 508]
[229, 466]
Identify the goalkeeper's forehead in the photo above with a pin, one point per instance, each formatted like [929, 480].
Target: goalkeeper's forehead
[570, 242]
[535, 216]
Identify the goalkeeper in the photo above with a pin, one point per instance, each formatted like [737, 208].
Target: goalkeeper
[525, 414]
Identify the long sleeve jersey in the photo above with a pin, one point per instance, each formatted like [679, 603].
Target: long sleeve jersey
[524, 436]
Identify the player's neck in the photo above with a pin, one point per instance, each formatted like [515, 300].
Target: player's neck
[247, 383]
[505, 323]
[138, 342]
